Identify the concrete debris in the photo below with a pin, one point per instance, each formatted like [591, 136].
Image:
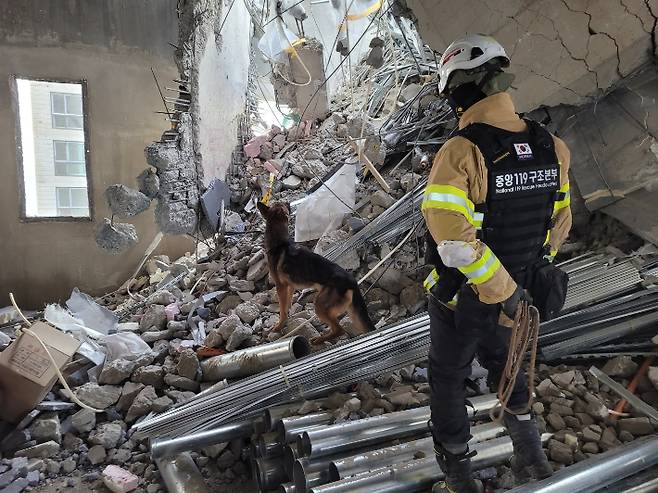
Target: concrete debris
[621, 366]
[98, 396]
[125, 202]
[190, 308]
[116, 238]
[149, 183]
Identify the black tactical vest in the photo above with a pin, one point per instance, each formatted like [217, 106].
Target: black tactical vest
[523, 183]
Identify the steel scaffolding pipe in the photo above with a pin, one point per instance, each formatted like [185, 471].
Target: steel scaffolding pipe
[274, 414]
[181, 475]
[254, 359]
[354, 361]
[269, 472]
[416, 475]
[169, 447]
[268, 445]
[287, 488]
[350, 435]
[306, 469]
[599, 471]
[599, 336]
[289, 428]
[290, 455]
[332, 439]
[366, 461]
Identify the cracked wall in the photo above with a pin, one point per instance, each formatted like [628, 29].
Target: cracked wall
[614, 150]
[562, 51]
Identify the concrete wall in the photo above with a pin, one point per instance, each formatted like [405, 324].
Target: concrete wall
[562, 51]
[614, 151]
[222, 87]
[112, 45]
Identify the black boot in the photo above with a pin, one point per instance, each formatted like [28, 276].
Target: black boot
[458, 472]
[529, 460]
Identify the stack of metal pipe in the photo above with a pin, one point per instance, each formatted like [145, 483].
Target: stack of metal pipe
[354, 361]
[310, 453]
[603, 317]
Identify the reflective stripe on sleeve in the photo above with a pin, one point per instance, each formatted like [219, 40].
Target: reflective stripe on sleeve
[561, 204]
[431, 280]
[447, 197]
[482, 269]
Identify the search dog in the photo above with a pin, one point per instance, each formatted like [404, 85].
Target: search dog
[294, 266]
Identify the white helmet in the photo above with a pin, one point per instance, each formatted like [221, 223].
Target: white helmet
[467, 53]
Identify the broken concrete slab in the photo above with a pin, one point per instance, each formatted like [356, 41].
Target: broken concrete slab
[116, 238]
[125, 202]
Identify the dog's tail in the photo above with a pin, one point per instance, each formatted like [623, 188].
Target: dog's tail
[359, 312]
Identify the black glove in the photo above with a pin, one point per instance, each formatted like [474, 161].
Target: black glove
[510, 305]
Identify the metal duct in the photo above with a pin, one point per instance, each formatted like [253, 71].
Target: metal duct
[599, 471]
[254, 359]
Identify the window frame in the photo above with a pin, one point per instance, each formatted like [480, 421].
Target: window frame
[53, 113]
[67, 161]
[58, 207]
[13, 92]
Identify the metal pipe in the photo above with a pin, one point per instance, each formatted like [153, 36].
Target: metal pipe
[169, 447]
[274, 414]
[423, 447]
[634, 401]
[332, 439]
[359, 359]
[417, 475]
[599, 471]
[650, 486]
[269, 473]
[290, 455]
[255, 359]
[599, 336]
[305, 469]
[287, 488]
[268, 445]
[289, 428]
[180, 474]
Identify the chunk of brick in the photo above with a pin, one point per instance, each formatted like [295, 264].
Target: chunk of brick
[119, 480]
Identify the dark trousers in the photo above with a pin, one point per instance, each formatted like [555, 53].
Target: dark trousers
[456, 337]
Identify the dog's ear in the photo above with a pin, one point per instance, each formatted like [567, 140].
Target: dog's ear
[263, 209]
[287, 206]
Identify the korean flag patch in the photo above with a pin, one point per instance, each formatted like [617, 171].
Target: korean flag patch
[523, 151]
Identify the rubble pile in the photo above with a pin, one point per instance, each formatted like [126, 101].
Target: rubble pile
[219, 300]
[576, 408]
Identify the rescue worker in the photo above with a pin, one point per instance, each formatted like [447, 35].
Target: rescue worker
[497, 210]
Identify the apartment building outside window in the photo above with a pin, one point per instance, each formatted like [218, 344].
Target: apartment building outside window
[72, 202]
[52, 152]
[66, 110]
[69, 158]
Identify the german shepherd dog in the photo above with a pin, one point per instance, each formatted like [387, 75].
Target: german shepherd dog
[293, 266]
